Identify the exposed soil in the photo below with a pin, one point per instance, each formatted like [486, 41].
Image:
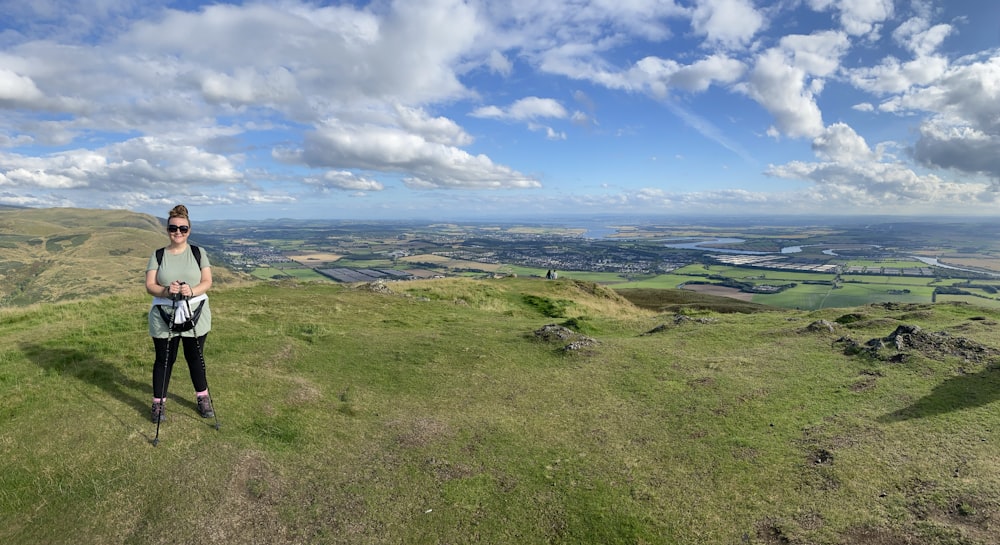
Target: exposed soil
[719, 291]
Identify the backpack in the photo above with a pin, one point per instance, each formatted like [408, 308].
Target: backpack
[192, 316]
[194, 250]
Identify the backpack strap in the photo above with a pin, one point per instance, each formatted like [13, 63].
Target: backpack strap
[197, 254]
[194, 250]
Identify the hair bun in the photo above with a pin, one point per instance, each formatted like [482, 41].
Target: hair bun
[179, 211]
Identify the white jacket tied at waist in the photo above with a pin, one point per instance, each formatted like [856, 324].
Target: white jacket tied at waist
[181, 312]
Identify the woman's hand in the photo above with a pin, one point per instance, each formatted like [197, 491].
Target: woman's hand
[185, 290]
[180, 288]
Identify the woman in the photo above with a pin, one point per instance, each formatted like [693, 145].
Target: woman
[177, 273]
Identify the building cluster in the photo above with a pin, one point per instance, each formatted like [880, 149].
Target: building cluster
[252, 256]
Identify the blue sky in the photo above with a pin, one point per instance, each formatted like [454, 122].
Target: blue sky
[448, 109]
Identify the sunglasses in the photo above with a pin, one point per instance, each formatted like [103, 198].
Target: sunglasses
[175, 228]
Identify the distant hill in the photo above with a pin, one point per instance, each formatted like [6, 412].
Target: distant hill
[58, 254]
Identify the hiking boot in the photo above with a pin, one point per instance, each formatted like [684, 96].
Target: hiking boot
[156, 413]
[205, 407]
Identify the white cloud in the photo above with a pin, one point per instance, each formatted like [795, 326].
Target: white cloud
[440, 130]
[530, 109]
[963, 130]
[858, 17]
[892, 76]
[432, 165]
[817, 54]
[122, 102]
[966, 93]
[854, 174]
[140, 162]
[658, 76]
[786, 79]
[534, 108]
[17, 90]
[729, 23]
[499, 63]
[918, 36]
[781, 88]
[840, 144]
[346, 181]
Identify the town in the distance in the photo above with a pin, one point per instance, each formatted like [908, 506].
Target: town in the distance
[805, 263]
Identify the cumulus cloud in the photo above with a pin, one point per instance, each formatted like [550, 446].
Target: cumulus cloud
[858, 17]
[17, 90]
[140, 162]
[786, 79]
[729, 23]
[658, 76]
[893, 76]
[524, 109]
[435, 129]
[346, 181]
[960, 148]
[431, 165]
[917, 35]
[963, 130]
[124, 103]
[499, 63]
[840, 144]
[782, 89]
[529, 110]
[852, 173]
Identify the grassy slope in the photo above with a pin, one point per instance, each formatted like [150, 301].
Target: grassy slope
[357, 417]
[60, 254]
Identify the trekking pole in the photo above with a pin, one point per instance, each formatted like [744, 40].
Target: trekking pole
[208, 390]
[163, 384]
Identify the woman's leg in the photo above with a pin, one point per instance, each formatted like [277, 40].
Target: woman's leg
[166, 355]
[194, 354]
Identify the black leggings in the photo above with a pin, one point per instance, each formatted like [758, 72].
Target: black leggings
[166, 355]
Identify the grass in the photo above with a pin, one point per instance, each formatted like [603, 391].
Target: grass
[436, 415]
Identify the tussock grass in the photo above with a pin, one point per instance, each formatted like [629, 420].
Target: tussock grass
[434, 414]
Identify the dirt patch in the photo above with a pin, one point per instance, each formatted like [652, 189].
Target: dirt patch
[874, 535]
[420, 432]
[770, 532]
[721, 291]
[312, 260]
[248, 508]
[304, 392]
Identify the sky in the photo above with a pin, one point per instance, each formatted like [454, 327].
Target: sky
[486, 109]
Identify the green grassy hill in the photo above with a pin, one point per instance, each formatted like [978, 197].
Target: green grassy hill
[61, 254]
[503, 411]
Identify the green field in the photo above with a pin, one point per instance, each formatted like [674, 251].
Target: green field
[443, 413]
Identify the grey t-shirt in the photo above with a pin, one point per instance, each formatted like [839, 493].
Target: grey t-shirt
[184, 267]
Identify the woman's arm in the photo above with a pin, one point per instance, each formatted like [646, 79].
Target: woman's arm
[203, 286]
[153, 287]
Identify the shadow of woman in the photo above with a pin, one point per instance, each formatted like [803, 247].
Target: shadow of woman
[83, 365]
[954, 394]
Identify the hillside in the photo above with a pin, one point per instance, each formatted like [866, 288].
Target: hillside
[60, 254]
[503, 411]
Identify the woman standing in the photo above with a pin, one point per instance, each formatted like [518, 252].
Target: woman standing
[179, 273]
